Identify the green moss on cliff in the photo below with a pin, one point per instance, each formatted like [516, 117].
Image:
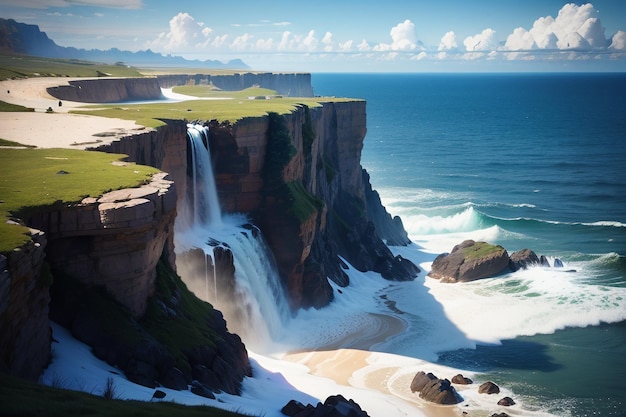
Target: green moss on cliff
[177, 318]
[480, 249]
[303, 204]
[32, 179]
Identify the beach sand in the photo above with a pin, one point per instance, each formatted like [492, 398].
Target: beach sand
[58, 129]
[356, 366]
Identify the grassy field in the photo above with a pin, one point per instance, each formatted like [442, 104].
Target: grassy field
[34, 178]
[227, 106]
[26, 399]
[17, 66]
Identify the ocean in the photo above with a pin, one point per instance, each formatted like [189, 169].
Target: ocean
[525, 161]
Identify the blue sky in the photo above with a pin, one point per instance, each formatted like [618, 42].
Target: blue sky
[364, 35]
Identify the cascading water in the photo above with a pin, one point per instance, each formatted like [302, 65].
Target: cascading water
[259, 309]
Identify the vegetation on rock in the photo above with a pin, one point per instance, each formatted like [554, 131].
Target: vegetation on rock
[33, 179]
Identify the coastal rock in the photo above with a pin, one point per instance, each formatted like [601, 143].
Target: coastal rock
[333, 406]
[433, 389]
[470, 261]
[506, 401]
[522, 259]
[461, 380]
[488, 388]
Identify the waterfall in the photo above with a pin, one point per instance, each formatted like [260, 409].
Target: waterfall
[255, 306]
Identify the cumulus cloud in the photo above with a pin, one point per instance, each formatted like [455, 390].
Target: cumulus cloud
[619, 41]
[402, 38]
[184, 34]
[448, 42]
[484, 41]
[574, 28]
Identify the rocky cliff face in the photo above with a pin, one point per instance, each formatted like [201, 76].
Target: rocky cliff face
[114, 241]
[108, 90]
[287, 84]
[311, 203]
[25, 333]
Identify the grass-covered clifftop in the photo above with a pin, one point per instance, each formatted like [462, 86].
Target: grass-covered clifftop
[211, 105]
[33, 179]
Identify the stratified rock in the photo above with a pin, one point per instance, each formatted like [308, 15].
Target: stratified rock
[435, 390]
[522, 259]
[506, 401]
[488, 388]
[461, 380]
[470, 261]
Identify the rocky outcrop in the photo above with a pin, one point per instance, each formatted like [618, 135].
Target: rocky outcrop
[114, 241]
[287, 84]
[24, 298]
[433, 389]
[108, 90]
[470, 261]
[488, 388]
[333, 406]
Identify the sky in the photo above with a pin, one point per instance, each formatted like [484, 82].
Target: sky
[347, 35]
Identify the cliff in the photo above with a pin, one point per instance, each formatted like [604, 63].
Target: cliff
[25, 333]
[299, 176]
[108, 90]
[287, 84]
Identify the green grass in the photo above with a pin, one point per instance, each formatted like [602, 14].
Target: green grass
[27, 399]
[31, 179]
[480, 249]
[23, 66]
[8, 107]
[151, 115]
[207, 91]
[5, 142]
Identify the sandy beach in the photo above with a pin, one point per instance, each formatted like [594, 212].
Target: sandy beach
[58, 129]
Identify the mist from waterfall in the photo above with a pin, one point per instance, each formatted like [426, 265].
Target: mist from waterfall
[254, 306]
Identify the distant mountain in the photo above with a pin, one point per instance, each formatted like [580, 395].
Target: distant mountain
[22, 38]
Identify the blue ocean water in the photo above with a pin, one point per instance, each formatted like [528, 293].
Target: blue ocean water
[526, 161]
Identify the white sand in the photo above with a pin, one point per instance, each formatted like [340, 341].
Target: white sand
[59, 129]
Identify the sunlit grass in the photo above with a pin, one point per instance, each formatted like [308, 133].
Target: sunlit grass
[210, 91]
[34, 178]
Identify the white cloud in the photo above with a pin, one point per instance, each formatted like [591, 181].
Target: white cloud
[364, 46]
[309, 43]
[448, 42]
[346, 46]
[109, 4]
[484, 41]
[185, 34]
[402, 38]
[619, 41]
[327, 41]
[520, 40]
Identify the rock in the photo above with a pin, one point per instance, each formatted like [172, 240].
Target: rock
[433, 389]
[488, 388]
[506, 401]
[470, 261]
[461, 380]
[158, 395]
[420, 380]
[292, 408]
[522, 259]
[174, 379]
[199, 389]
[334, 406]
[499, 415]
[543, 261]
[558, 263]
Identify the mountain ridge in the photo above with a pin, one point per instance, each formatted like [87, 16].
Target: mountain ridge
[25, 39]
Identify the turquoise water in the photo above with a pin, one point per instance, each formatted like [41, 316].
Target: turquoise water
[526, 161]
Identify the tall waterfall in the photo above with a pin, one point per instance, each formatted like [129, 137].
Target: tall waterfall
[255, 306]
